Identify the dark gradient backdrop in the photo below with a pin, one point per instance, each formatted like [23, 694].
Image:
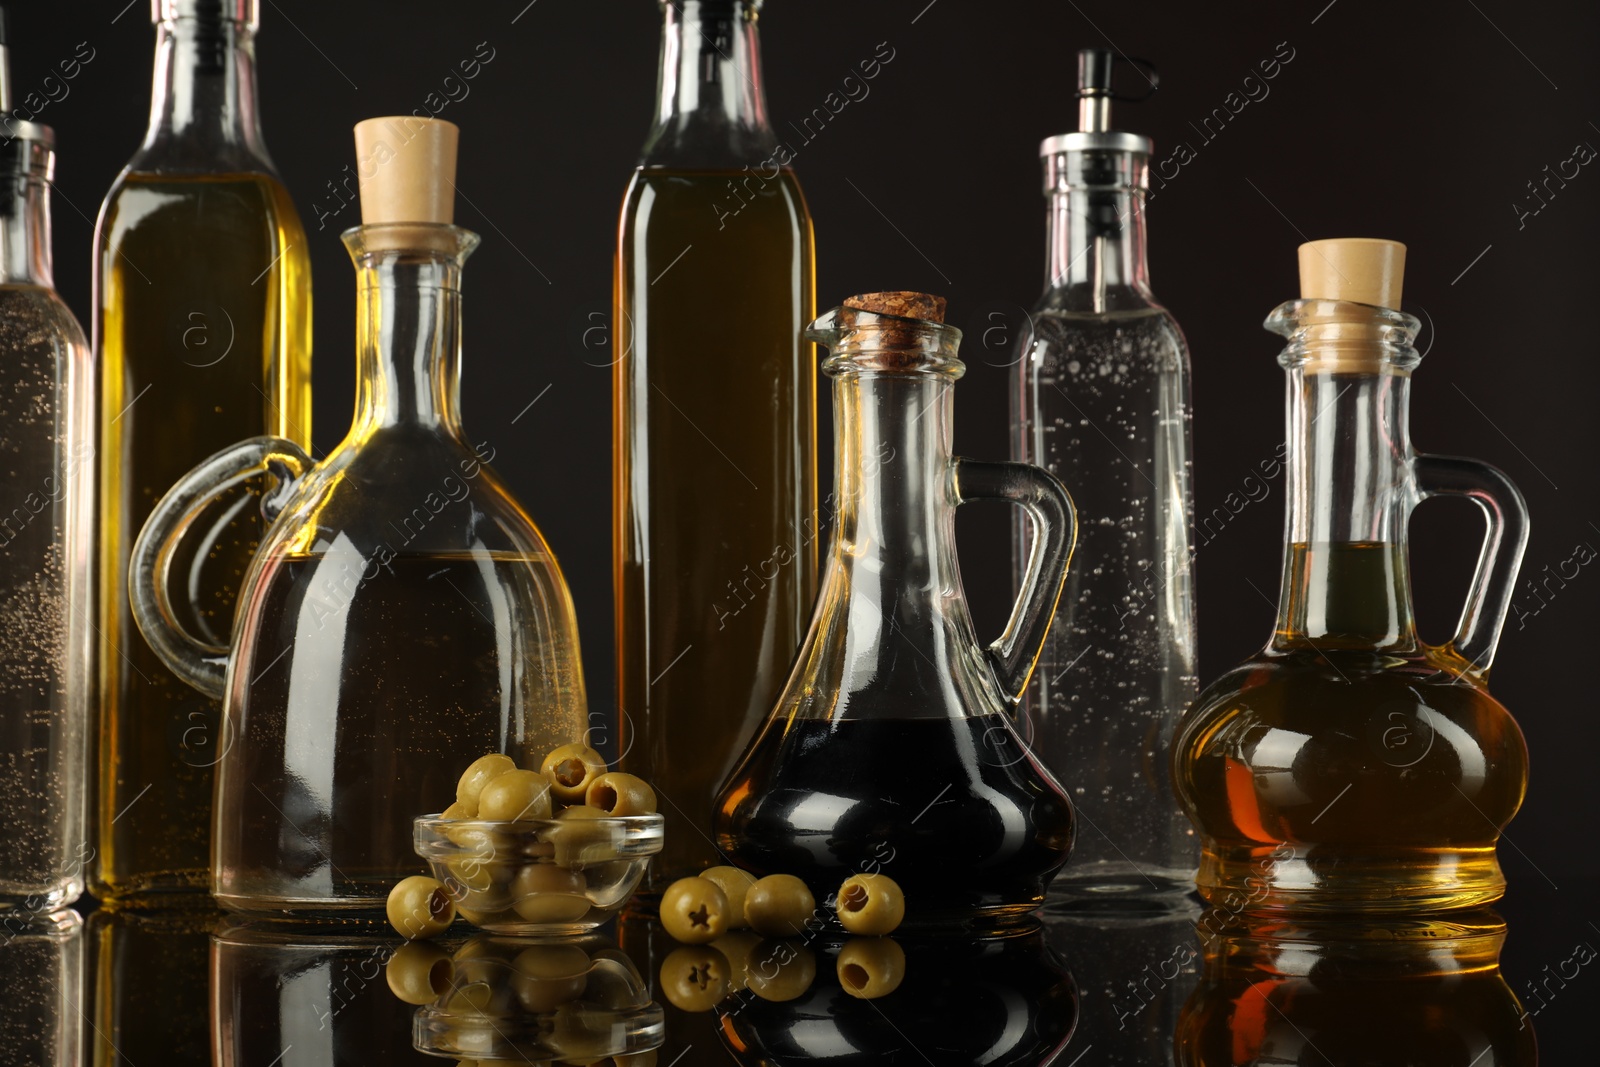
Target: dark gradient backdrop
[1424, 122]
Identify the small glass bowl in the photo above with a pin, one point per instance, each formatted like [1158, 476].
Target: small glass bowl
[540, 877]
[537, 1000]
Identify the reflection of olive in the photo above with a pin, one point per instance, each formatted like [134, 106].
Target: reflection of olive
[572, 769]
[419, 907]
[779, 905]
[646, 1058]
[870, 904]
[478, 774]
[582, 1034]
[735, 885]
[694, 977]
[871, 967]
[694, 911]
[419, 972]
[544, 977]
[781, 970]
[737, 946]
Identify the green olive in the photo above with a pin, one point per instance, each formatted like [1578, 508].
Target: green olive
[581, 837]
[572, 769]
[419, 907]
[694, 977]
[419, 972]
[735, 885]
[546, 893]
[483, 770]
[870, 904]
[737, 945]
[458, 810]
[781, 970]
[694, 911]
[515, 796]
[871, 967]
[779, 905]
[544, 977]
[616, 793]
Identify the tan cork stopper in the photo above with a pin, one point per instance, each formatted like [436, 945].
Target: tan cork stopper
[906, 305]
[407, 169]
[1366, 270]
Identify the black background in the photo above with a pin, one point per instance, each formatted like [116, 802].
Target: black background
[1417, 121]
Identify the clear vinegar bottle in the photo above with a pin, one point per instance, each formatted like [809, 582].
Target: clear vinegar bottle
[1101, 399]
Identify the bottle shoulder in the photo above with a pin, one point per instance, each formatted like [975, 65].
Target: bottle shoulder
[1106, 343]
[32, 315]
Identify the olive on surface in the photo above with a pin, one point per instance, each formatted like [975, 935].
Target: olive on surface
[419, 907]
[779, 905]
[870, 904]
[694, 911]
[735, 885]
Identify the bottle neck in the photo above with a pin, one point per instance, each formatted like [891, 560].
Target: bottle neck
[1096, 253]
[711, 109]
[203, 112]
[25, 231]
[408, 333]
[1351, 490]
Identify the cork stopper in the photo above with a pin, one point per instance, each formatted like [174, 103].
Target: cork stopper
[906, 305]
[406, 167]
[1366, 270]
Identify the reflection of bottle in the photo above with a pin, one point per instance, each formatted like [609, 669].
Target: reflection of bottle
[1003, 1002]
[1102, 401]
[203, 332]
[892, 747]
[1135, 964]
[714, 473]
[404, 615]
[46, 404]
[1348, 766]
[41, 1013]
[152, 999]
[1393, 993]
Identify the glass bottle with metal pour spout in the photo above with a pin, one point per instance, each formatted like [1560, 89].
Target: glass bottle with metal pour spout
[203, 336]
[1348, 766]
[892, 748]
[404, 615]
[1101, 399]
[46, 541]
[714, 471]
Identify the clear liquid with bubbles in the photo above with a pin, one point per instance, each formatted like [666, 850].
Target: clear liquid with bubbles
[1102, 402]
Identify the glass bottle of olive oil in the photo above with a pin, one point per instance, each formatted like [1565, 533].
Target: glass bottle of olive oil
[714, 475]
[203, 336]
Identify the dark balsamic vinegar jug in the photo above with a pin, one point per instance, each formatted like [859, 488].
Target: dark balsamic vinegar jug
[893, 748]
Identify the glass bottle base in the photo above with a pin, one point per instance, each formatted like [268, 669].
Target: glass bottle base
[41, 901]
[1317, 879]
[164, 889]
[1117, 885]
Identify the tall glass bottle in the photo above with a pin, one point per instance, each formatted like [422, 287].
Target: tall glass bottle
[714, 469]
[203, 332]
[1101, 399]
[404, 615]
[46, 499]
[1348, 766]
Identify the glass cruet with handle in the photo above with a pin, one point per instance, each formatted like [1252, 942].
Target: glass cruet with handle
[893, 748]
[403, 615]
[1348, 766]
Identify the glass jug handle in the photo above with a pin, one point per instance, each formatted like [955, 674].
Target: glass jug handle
[202, 665]
[1055, 531]
[1483, 617]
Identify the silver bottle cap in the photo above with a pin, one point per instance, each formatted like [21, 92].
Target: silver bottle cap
[245, 12]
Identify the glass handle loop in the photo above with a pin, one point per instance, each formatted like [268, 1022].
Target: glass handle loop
[1014, 653]
[197, 662]
[1489, 599]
